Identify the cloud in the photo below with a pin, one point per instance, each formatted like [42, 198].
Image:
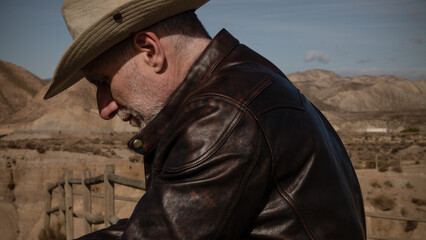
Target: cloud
[318, 56]
[363, 60]
[418, 40]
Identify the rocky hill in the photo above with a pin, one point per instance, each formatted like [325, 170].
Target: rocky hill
[23, 107]
[359, 103]
[18, 86]
[350, 103]
[360, 94]
[74, 110]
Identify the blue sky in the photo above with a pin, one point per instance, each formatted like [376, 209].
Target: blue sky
[349, 37]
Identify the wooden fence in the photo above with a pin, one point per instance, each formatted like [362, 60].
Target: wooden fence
[65, 208]
[394, 218]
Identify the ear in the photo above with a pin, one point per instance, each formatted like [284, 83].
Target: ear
[148, 44]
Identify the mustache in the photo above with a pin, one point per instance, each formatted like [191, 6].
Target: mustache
[133, 117]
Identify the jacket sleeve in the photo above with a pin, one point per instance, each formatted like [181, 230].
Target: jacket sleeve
[210, 174]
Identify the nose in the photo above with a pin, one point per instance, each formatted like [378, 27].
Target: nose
[106, 105]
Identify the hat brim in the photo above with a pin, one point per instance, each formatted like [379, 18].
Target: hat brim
[107, 31]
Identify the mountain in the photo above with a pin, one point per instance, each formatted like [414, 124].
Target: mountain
[74, 110]
[18, 86]
[362, 102]
[350, 103]
[314, 75]
[22, 106]
[330, 91]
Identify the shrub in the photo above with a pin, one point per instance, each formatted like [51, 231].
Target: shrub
[409, 186]
[41, 149]
[410, 226]
[394, 150]
[388, 184]
[410, 130]
[105, 154]
[397, 169]
[418, 201]
[97, 152]
[383, 168]
[13, 144]
[30, 145]
[112, 152]
[55, 148]
[375, 184]
[370, 165]
[383, 202]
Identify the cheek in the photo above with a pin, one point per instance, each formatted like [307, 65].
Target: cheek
[132, 86]
[120, 90]
[119, 94]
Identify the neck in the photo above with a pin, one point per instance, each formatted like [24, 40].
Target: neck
[183, 57]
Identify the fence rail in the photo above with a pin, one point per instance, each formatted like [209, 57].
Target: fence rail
[385, 216]
[389, 217]
[65, 208]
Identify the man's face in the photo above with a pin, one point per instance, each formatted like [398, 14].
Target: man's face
[124, 90]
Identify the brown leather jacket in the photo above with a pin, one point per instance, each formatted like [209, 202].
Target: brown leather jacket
[239, 153]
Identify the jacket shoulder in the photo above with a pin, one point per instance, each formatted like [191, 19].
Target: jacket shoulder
[201, 129]
[252, 84]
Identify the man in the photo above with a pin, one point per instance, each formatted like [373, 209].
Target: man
[232, 149]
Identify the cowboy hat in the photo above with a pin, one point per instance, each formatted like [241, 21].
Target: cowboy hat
[97, 25]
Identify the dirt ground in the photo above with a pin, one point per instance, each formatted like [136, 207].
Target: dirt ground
[391, 168]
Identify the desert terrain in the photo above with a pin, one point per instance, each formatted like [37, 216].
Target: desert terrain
[381, 120]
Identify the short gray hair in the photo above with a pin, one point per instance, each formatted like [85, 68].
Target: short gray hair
[185, 24]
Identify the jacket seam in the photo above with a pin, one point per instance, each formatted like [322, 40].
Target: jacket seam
[286, 106]
[266, 139]
[219, 60]
[242, 186]
[282, 192]
[290, 201]
[240, 106]
[215, 147]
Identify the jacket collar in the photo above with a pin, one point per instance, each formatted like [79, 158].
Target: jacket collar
[148, 138]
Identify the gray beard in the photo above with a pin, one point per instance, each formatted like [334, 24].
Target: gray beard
[137, 119]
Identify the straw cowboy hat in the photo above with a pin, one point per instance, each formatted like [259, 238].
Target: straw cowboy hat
[97, 25]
